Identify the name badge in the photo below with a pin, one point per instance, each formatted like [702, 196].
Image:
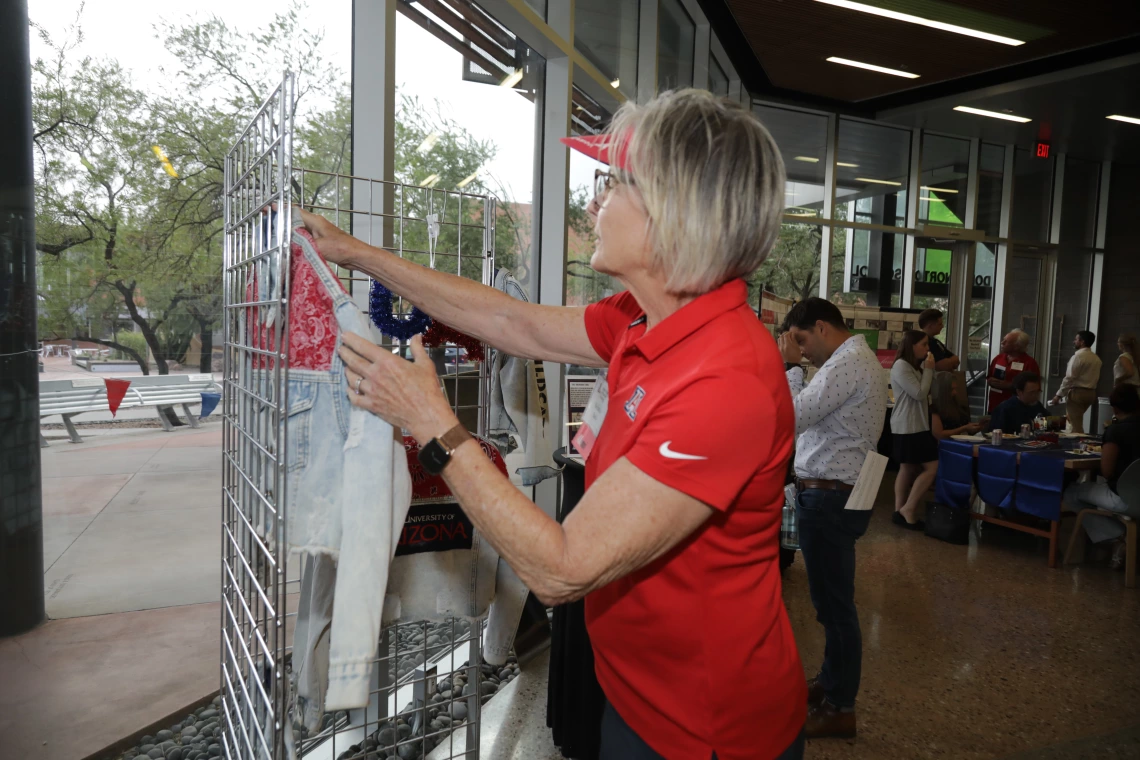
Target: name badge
[1017, 366]
[593, 417]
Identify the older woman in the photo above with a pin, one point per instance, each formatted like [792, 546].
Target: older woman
[1125, 371]
[674, 545]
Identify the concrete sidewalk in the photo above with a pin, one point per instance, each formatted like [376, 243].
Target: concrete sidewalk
[132, 522]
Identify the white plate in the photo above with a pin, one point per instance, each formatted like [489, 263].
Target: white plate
[970, 438]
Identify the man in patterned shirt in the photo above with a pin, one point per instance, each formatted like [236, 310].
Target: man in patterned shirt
[839, 418]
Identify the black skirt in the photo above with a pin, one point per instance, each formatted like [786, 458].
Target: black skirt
[914, 448]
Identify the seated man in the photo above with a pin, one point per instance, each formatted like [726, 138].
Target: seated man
[1022, 408]
[1121, 448]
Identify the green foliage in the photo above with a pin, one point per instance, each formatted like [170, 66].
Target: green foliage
[132, 340]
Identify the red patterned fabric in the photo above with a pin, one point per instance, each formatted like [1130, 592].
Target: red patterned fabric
[432, 489]
[312, 322]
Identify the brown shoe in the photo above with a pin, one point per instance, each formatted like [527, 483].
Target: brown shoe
[815, 692]
[825, 720]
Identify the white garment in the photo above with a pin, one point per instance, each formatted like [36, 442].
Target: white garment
[1118, 377]
[912, 398]
[1083, 372]
[516, 397]
[839, 415]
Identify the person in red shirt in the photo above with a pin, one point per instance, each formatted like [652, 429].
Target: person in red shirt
[1007, 365]
[675, 543]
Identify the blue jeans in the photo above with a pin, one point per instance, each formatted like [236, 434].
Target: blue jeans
[827, 539]
[620, 742]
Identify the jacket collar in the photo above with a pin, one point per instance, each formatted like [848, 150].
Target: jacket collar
[690, 318]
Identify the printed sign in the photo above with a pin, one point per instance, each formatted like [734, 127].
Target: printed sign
[434, 528]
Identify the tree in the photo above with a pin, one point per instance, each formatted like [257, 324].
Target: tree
[144, 235]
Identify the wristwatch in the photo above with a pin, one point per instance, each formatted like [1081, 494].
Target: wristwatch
[436, 453]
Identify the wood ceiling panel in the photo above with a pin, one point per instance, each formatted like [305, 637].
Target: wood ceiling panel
[792, 39]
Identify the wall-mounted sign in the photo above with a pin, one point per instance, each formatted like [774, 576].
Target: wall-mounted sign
[1042, 150]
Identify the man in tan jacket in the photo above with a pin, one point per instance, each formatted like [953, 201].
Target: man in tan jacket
[1081, 378]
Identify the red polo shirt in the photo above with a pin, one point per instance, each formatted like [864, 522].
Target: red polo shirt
[1006, 367]
[695, 651]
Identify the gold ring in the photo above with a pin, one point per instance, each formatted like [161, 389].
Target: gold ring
[358, 382]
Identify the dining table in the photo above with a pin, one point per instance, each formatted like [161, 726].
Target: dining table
[1068, 448]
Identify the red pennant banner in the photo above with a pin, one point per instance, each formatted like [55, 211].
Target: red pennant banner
[116, 390]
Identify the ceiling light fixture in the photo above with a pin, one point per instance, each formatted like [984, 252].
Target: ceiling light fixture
[467, 180]
[931, 199]
[910, 19]
[878, 181]
[1128, 119]
[992, 114]
[512, 79]
[939, 189]
[430, 181]
[615, 84]
[872, 67]
[428, 143]
[807, 159]
[849, 166]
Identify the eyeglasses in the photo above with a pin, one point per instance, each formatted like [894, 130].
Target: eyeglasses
[603, 181]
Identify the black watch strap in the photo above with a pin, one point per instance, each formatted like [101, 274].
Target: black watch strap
[436, 453]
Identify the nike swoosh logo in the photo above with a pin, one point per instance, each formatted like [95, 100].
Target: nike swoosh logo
[668, 453]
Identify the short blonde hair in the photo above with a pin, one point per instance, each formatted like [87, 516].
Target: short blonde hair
[712, 180]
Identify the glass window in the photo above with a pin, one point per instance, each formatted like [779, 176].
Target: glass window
[1023, 298]
[605, 32]
[873, 162]
[866, 265]
[676, 40]
[718, 79]
[802, 139]
[584, 286]
[440, 147]
[1078, 202]
[991, 173]
[981, 311]
[791, 270]
[945, 164]
[1070, 309]
[931, 275]
[1032, 196]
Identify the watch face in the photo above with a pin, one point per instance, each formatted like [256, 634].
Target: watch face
[433, 457]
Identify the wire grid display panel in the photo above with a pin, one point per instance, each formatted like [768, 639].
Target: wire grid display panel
[255, 279]
[428, 683]
[445, 230]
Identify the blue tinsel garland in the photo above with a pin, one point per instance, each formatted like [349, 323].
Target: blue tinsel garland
[380, 310]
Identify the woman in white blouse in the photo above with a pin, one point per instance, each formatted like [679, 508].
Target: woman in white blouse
[1125, 371]
[913, 447]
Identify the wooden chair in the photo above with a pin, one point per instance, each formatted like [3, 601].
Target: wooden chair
[1128, 488]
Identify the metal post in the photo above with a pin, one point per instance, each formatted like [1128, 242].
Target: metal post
[21, 515]
[830, 156]
[907, 291]
[647, 52]
[373, 127]
[1001, 255]
[1098, 255]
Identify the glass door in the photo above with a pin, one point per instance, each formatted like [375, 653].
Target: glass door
[1027, 298]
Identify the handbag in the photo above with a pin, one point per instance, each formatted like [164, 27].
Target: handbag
[948, 524]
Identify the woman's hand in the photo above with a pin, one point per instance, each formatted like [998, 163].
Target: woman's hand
[402, 393]
[335, 244]
[972, 428]
[929, 363]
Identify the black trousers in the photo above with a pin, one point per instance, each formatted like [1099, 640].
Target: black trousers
[620, 742]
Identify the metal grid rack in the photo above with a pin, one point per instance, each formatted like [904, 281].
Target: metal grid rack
[427, 681]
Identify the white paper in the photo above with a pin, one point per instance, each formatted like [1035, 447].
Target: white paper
[867, 484]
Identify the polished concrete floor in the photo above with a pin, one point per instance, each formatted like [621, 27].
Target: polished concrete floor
[982, 651]
[976, 651]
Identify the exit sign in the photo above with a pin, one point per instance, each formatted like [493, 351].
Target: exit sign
[1043, 150]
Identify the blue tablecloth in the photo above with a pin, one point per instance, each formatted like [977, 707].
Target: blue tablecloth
[1065, 449]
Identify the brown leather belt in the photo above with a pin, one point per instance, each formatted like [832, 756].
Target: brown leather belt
[807, 484]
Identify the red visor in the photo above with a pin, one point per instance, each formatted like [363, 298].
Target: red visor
[597, 147]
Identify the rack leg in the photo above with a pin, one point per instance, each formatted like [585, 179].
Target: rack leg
[162, 418]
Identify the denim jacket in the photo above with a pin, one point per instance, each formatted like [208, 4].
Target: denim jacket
[348, 494]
